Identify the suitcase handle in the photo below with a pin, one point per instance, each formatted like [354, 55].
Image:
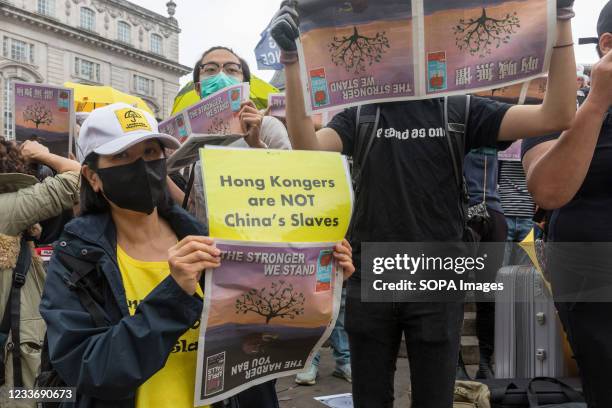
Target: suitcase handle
[571, 394]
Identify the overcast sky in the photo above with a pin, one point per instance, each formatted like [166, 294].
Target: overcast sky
[238, 24]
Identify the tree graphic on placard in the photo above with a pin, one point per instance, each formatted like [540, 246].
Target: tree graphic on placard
[356, 52]
[281, 300]
[478, 36]
[218, 127]
[38, 114]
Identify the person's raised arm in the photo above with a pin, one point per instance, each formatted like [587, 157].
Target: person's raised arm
[44, 200]
[35, 152]
[556, 169]
[559, 107]
[300, 126]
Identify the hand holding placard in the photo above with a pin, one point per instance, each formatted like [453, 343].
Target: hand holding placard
[189, 258]
[285, 31]
[343, 254]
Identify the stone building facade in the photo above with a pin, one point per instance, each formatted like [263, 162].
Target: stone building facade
[95, 42]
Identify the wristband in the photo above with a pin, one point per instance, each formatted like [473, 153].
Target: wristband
[288, 57]
[563, 46]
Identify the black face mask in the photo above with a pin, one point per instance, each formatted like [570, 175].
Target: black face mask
[138, 186]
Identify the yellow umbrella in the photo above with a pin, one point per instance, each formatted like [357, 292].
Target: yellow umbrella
[260, 89]
[89, 97]
[529, 246]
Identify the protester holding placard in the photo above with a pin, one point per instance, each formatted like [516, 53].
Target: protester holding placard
[262, 131]
[571, 174]
[124, 282]
[137, 259]
[408, 192]
[272, 302]
[219, 68]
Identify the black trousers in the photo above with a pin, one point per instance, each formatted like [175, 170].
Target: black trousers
[589, 329]
[582, 289]
[432, 332]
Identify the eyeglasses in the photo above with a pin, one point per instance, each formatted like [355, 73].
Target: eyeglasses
[213, 68]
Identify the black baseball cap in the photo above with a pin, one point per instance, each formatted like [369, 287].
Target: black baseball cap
[604, 25]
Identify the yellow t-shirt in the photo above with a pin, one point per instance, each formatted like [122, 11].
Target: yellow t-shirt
[173, 386]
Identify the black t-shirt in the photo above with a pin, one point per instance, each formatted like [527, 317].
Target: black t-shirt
[588, 216]
[408, 186]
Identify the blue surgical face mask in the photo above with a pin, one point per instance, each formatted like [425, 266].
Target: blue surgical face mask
[212, 84]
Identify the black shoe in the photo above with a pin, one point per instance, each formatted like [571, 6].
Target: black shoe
[485, 368]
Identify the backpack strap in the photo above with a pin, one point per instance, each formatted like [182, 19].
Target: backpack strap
[90, 297]
[12, 314]
[189, 187]
[78, 281]
[368, 118]
[456, 119]
[367, 121]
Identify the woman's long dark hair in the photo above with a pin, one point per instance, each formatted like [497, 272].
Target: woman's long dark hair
[95, 203]
[11, 160]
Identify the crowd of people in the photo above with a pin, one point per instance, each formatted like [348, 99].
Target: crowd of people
[124, 284]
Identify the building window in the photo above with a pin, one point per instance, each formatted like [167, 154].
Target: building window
[87, 69]
[46, 7]
[8, 111]
[156, 44]
[88, 19]
[124, 32]
[143, 86]
[17, 50]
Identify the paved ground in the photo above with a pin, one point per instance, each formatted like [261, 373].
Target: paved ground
[292, 395]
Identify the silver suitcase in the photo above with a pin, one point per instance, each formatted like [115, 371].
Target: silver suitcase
[528, 333]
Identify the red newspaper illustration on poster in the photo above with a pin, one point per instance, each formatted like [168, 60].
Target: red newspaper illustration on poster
[354, 52]
[366, 51]
[44, 113]
[218, 113]
[277, 108]
[269, 307]
[274, 300]
[176, 126]
[276, 105]
[212, 121]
